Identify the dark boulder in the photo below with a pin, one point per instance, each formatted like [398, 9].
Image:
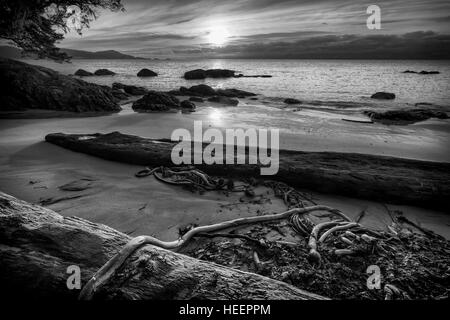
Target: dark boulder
[219, 73]
[422, 72]
[33, 87]
[253, 76]
[403, 117]
[188, 105]
[83, 73]
[120, 95]
[104, 72]
[135, 91]
[196, 99]
[198, 74]
[429, 72]
[292, 101]
[202, 90]
[224, 100]
[147, 73]
[118, 86]
[234, 93]
[183, 91]
[383, 96]
[155, 101]
[131, 90]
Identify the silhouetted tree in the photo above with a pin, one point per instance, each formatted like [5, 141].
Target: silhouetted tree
[37, 25]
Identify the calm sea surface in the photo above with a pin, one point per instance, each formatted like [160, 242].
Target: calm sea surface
[327, 83]
[331, 91]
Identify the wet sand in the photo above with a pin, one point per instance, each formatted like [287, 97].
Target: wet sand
[33, 170]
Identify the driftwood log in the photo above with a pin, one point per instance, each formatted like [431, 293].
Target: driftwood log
[387, 179]
[37, 246]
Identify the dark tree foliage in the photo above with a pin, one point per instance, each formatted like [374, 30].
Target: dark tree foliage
[36, 26]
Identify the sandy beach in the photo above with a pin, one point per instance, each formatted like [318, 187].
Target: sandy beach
[199, 151]
[108, 192]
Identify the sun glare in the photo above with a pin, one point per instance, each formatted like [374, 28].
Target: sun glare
[218, 36]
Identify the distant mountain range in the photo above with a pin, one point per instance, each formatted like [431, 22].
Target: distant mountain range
[107, 54]
[15, 53]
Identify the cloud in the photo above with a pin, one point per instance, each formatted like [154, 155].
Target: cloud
[414, 45]
[301, 27]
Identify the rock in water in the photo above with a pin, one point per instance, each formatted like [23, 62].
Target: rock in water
[224, 100]
[292, 101]
[219, 73]
[131, 90]
[155, 101]
[383, 96]
[235, 93]
[135, 91]
[33, 87]
[198, 74]
[403, 117]
[188, 105]
[147, 73]
[429, 72]
[83, 73]
[422, 72]
[120, 94]
[104, 72]
[202, 90]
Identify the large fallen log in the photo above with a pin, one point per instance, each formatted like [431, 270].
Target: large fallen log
[387, 179]
[37, 246]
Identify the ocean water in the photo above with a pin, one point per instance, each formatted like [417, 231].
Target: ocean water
[321, 83]
[330, 90]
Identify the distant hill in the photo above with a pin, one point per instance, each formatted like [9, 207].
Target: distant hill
[14, 53]
[108, 54]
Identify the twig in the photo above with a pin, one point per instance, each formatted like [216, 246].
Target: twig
[360, 216]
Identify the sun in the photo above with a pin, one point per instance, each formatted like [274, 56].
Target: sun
[218, 36]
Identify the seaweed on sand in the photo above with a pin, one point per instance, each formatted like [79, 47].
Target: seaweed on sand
[418, 265]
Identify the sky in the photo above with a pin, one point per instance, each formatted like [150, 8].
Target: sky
[270, 29]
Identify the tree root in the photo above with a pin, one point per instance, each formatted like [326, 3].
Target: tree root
[105, 273]
[314, 255]
[337, 228]
[344, 252]
[189, 176]
[230, 236]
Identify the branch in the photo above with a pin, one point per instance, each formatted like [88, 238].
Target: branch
[105, 273]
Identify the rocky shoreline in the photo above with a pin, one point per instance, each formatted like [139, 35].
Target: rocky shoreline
[65, 96]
